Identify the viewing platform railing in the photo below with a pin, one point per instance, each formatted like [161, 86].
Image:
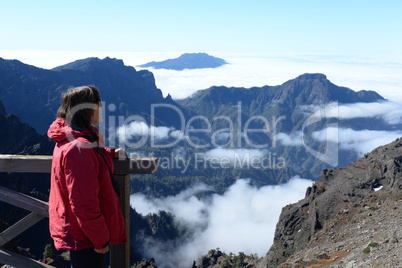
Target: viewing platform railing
[119, 254]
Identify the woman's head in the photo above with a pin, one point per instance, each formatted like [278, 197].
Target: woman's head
[79, 106]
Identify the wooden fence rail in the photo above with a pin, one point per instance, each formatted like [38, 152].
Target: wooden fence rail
[119, 254]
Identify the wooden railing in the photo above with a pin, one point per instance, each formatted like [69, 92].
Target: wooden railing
[119, 254]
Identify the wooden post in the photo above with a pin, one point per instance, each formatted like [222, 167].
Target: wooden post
[120, 254]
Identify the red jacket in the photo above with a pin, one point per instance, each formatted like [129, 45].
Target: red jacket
[84, 210]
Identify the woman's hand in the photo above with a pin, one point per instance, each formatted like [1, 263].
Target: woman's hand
[103, 250]
[120, 153]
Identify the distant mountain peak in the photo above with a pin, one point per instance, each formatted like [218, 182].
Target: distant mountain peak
[85, 64]
[306, 89]
[312, 76]
[315, 87]
[188, 61]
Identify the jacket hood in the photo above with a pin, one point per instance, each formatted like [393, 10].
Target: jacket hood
[60, 130]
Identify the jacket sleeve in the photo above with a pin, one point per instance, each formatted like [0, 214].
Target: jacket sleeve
[81, 170]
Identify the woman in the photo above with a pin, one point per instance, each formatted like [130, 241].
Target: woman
[84, 212]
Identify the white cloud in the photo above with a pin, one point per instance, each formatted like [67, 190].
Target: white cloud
[361, 141]
[140, 129]
[293, 139]
[390, 112]
[222, 137]
[243, 219]
[176, 134]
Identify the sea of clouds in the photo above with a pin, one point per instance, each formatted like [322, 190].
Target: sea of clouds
[243, 219]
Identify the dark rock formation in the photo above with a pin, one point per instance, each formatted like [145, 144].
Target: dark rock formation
[20, 138]
[338, 187]
[217, 259]
[147, 264]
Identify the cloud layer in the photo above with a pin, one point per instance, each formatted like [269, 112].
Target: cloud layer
[243, 219]
[389, 111]
[360, 141]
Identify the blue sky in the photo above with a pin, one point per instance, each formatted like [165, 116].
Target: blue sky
[357, 44]
[261, 27]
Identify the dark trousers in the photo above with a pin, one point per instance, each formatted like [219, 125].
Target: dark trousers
[87, 258]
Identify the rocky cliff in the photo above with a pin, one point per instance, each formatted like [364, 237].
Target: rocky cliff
[367, 233]
[335, 206]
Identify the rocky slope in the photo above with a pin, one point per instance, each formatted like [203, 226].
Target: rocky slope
[334, 205]
[367, 233]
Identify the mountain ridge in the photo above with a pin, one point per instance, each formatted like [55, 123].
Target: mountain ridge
[315, 84]
[34, 94]
[306, 89]
[85, 64]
